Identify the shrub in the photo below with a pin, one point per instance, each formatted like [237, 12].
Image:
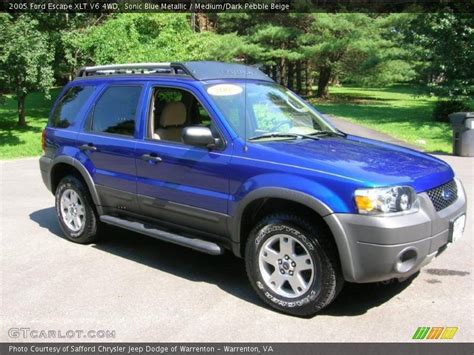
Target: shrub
[445, 107]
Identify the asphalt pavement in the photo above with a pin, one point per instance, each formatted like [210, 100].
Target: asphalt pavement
[145, 290]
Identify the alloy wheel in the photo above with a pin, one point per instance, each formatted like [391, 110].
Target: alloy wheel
[73, 213]
[286, 266]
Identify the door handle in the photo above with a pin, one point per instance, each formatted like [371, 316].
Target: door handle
[89, 147]
[151, 157]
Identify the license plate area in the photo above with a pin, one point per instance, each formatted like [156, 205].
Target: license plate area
[456, 228]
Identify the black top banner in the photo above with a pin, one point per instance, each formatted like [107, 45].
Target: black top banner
[209, 6]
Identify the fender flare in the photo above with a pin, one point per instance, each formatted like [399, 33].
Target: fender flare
[84, 173]
[271, 192]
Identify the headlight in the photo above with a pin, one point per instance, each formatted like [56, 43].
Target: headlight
[387, 200]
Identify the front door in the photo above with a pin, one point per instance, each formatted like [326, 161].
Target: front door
[178, 183]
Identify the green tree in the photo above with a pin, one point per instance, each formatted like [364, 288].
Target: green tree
[339, 44]
[297, 49]
[59, 28]
[25, 59]
[145, 38]
[385, 61]
[272, 41]
[445, 49]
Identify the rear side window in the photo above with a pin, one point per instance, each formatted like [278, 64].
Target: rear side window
[115, 111]
[67, 110]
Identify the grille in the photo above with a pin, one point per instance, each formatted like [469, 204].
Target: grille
[444, 195]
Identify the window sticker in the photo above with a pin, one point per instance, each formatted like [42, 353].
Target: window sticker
[224, 90]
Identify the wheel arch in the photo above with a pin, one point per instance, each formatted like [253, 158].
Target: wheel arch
[62, 166]
[265, 200]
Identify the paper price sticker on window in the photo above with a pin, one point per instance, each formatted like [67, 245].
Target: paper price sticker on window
[224, 90]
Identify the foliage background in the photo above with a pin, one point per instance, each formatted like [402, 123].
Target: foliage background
[312, 54]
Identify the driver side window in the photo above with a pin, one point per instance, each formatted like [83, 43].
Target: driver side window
[171, 110]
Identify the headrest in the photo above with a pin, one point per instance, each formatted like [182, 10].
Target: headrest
[173, 114]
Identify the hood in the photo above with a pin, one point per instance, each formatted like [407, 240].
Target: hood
[371, 162]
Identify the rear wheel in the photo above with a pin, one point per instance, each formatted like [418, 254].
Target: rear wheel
[293, 265]
[75, 210]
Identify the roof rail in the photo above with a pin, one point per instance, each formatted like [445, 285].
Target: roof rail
[133, 68]
[202, 70]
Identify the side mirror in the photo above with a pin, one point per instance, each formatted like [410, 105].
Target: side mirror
[199, 136]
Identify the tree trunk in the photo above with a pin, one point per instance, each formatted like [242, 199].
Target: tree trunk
[309, 80]
[282, 72]
[299, 83]
[274, 72]
[21, 110]
[290, 76]
[323, 81]
[193, 22]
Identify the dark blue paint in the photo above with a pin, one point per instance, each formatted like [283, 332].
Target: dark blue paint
[329, 169]
[187, 175]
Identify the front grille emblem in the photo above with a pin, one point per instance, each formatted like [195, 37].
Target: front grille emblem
[446, 194]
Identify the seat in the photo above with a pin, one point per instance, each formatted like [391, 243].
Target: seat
[172, 120]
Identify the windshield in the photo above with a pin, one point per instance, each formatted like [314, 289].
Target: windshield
[266, 111]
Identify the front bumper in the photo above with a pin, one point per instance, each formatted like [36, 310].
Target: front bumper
[375, 248]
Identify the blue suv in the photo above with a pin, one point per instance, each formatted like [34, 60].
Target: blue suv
[217, 156]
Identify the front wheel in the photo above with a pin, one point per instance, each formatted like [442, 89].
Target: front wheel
[75, 211]
[293, 265]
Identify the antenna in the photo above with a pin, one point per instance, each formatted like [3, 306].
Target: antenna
[245, 110]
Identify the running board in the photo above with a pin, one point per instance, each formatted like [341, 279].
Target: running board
[196, 244]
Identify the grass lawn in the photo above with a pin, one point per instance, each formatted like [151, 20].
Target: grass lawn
[15, 141]
[393, 110]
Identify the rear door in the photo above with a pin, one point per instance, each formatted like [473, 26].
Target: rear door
[185, 185]
[107, 142]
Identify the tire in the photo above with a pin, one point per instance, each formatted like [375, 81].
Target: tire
[293, 265]
[76, 211]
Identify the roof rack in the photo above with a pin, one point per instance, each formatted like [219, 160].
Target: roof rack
[197, 70]
[133, 68]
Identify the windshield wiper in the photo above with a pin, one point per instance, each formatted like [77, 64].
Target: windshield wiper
[283, 135]
[328, 133]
